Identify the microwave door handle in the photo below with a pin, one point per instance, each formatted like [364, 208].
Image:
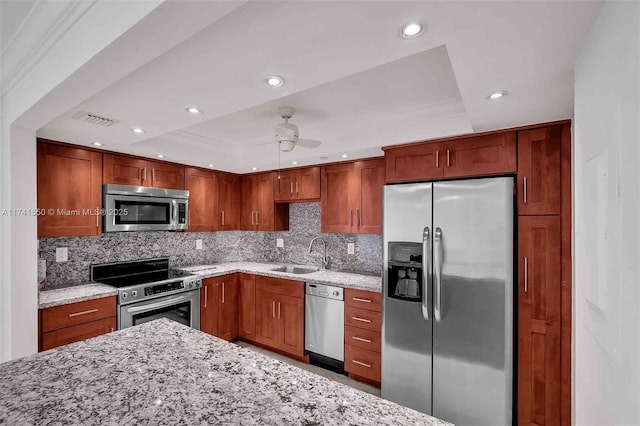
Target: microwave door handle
[174, 213]
[156, 305]
[426, 276]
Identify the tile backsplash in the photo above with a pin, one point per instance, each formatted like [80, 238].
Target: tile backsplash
[229, 246]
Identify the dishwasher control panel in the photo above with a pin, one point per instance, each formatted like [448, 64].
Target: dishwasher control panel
[321, 290]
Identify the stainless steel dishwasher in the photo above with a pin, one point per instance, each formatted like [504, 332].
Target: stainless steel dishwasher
[324, 325]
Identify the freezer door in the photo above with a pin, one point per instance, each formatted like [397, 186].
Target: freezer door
[473, 301]
[406, 334]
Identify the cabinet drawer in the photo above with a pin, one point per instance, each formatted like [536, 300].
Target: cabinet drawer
[363, 299]
[363, 339]
[78, 313]
[280, 286]
[362, 362]
[361, 318]
[64, 336]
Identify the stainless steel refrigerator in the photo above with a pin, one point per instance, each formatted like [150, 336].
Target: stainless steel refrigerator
[447, 333]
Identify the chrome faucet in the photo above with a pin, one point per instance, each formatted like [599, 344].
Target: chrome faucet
[325, 259]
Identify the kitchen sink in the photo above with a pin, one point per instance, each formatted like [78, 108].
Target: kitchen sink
[295, 269]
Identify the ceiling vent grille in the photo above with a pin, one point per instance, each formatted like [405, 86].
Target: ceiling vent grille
[87, 117]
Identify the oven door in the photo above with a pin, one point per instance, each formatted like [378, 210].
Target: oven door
[182, 307]
[133, 213]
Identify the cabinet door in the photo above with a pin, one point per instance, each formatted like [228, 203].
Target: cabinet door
[247, 305]
[411, 163]
[307, 184]
[539, 171]
[539, 288]
[69, 180]
[290, 314]
[77, 333]
[248, 205]
[266, 323]
[337, 198]
[209, 306]
[264, 202]
[229, 201]
[122, 170]
[482, 155]
[228, 293]
[203, 205]
[284, 185]
[370, 180]
[166, 175]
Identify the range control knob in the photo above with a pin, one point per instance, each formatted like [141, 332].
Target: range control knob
[336, 293]
[124, 295]
[134, 293]
[191, 284]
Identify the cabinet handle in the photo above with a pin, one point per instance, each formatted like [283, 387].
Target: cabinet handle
[253, 215]
[112, 329]
[97, 217]
[358, 216]
[526, 274]
[292, 187]
[77, 314]
[273, 308]
[448, 164]
[278, 309]
[350, 217]
[144, 174]
[361, 339]
[153, 176]
[357, 299]
[205, 296]
[223, 292]
[525, 190]
[364, 364]
[297, 187]
[437, 159]
[360, 319]
[222, 212]
[258, 217]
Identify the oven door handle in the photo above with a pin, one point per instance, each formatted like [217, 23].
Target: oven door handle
[156, 305]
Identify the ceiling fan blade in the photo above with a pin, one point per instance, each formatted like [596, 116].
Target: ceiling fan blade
[308, 143]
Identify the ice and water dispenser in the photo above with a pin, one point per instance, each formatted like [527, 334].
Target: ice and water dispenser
[405, 271]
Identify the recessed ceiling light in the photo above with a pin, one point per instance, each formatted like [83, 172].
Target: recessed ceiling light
[137, 130]
[98, 144]
[254, 168]
[211, 165]
[411, 30]
[496, 95]
[160, 156]
[275, 80]
[344, 155]
[294, 162]
[194, 110]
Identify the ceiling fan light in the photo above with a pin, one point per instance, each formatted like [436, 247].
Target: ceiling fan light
[287, 146]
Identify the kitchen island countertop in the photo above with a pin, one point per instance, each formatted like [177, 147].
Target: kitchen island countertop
[162, 372]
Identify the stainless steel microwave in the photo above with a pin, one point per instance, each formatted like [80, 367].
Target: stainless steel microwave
[140, 208]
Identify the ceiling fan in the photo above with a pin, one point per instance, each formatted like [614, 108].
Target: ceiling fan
[287, 134]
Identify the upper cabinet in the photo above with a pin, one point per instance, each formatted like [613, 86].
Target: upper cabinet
[539, 171]
[470, 156]
[203, 199]
[228, 201]
[297, 185]
[69, 180]
[258, 211]
[352, 197]
[123, 170]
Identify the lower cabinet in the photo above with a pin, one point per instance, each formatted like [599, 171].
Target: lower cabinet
[279, 318]
[363, 335]
[219, 306]
[61, 325]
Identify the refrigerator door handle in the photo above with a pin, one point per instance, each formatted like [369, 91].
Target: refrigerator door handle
[426, 255]
[437, 269]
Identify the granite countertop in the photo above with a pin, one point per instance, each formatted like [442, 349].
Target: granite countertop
[79, 293]
[326, 276]
[162, 372]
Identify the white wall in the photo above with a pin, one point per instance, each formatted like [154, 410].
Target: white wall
[607, 220]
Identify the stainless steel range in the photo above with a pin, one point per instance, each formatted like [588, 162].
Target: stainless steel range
[148, 290]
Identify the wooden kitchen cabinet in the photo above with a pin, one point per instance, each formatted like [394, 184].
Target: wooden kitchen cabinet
[352, 197]
[259, 212]
[479, 156]
[414, 163]
[124, 170]
[69, 181]
[539, 171]
[297, 184]
[203, 201]
[280, 315]
[229, 201]
[73, 322]
[219, 306]
[363, 335]
[539, 311]
[247, 306]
